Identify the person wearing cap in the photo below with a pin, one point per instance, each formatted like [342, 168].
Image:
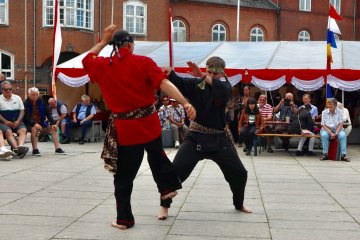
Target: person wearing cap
[208, 137]
[127, 82]
[11, 119]
[36, 116]
[177, 119]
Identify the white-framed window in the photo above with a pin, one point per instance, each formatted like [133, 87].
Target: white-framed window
[218, 33]
[256, 35]
[7, 64]
[179, 31]
[4, 11]
[73, 13]
[336, 4]
[135, 17]
[305, 5]
[304, 36]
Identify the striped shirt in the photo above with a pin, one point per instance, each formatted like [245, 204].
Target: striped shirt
[266, 110]
[10, 108]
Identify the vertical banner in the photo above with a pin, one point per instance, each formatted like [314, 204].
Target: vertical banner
[171, 35]
[57, 41]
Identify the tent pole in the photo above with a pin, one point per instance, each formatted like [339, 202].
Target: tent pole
[343, 97]
[238, 20]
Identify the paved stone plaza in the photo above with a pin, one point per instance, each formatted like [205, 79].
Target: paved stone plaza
[71, 197]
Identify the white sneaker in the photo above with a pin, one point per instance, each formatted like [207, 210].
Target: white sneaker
[4, 154]
[177, 144]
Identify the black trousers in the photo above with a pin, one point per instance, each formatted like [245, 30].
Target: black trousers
[247, 134]
[128, 164]
[227, 159]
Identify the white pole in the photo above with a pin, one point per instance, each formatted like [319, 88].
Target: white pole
[238, 21]
[343, 97]
[112, 12]
[25, 52]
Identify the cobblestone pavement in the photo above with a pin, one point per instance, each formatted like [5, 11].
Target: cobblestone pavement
[71, 197]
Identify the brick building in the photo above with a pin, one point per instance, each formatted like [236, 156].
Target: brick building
[26, 26]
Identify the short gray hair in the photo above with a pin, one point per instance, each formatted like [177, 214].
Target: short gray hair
[84, 97]
[33, 90]
[5, 82]
[332, 100]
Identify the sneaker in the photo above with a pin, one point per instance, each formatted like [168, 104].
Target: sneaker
[60, 151]
[5, 154]
[65, 140]
[299, 153]
[310, 153]
[81, 142]
[21, 151]
[177, 144]
[36, 152]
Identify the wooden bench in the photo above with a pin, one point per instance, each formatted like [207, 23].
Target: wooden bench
[262, 135]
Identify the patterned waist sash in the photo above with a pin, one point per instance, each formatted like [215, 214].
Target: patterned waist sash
[196, 127]
[109, 152]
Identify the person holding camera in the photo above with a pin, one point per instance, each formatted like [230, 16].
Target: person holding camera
[286, 110]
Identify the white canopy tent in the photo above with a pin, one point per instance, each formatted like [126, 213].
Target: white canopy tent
[267, 65]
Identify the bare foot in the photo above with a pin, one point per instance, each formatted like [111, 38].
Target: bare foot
[245, 210]
[169, 195]
[163, 213]
[121, 227]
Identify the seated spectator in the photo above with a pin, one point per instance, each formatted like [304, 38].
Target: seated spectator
[82, 117]
[346, 118]
[332, 128]
[37, 118]
[302, 120]
[59, 113]
[233, 107]
[306, 98]
[164, 112]
[266, 111]
[250, 123]
[286, 109]
[177, 119]
[11, 116]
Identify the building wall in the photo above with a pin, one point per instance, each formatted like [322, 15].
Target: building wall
[292, 21]
[201, 17]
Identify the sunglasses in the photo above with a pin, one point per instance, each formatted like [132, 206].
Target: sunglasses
[7, 89]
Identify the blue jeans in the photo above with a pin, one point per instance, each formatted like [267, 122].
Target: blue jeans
[325, 137]
[83, 126]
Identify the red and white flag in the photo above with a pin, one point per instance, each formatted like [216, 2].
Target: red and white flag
[57, 41]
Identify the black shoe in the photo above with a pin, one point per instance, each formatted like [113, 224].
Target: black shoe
[60, 151]
[299, 153]
[244, 149]
[36, 152]
[81, 142]
[65, 140]
[310, 153]
[21, 151]
[285, 145]
[247, 152]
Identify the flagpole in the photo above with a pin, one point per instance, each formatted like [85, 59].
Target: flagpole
[112, 12]
[170, 36]
[238, 21]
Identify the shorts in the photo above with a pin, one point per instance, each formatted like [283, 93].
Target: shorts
[5, 128]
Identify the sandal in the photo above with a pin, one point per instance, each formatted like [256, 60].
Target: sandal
[324, 157]
[345, 158]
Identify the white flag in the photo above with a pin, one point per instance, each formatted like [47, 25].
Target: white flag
[57, 41]
[333, 26]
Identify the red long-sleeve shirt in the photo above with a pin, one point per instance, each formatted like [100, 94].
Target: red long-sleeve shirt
[126, 85]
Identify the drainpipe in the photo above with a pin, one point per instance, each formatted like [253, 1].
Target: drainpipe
[277, 21]
[34, 64]
[100, 17]
[25, 52]
[355, 13]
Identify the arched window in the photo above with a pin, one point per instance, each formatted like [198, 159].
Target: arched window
[218, 33]
[179, 31]
[77, 14]
[305, 5]
[4, 12]
[256, 35]
[304, 36]
[336, 4]
[135, 17]
[7, 65]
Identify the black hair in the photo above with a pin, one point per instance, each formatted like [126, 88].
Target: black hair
[119, 39]
[247, 108]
